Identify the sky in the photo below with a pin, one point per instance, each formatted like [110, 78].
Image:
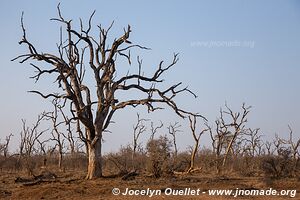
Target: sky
[230, 51]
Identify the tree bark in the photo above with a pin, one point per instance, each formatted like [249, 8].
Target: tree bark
[94, 160]
[193, 156]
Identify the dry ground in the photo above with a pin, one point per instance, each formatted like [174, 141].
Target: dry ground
[71, 185]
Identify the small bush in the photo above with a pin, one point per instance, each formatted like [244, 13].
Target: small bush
[159, 157]
[182, 162]
[278, 166]
[123, 161]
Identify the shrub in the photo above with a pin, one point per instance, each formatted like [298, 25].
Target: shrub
[278, 166]
[123, 161]
[159, 157]
[182, 162]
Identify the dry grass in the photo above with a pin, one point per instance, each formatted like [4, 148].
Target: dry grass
[71, 185]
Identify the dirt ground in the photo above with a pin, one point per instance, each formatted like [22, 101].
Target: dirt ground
[71, 185]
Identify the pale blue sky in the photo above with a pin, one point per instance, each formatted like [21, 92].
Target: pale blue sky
[264, 75]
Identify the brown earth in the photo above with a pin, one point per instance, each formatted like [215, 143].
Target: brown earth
[71, 185]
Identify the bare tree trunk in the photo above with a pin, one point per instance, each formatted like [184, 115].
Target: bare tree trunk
[193, 156]
[94, 147]
[94, 161]
[229, 147]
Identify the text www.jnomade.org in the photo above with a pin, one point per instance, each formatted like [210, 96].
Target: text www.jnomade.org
[197, 192]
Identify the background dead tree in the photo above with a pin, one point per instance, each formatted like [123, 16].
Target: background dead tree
[56, 135]
[173, 130]
[237, 125]
[268, 146]
[68, 123]
[260, 148]
[29, 136]
[196, 137]
[292, 145]
[28, 139]
[282, 163]
[82, 49]
[154, 129]
[227, 135]
[43, 151]
[4, 147]
[72, 142]
[240, 146]
[278, 144]
[138, 129]
[220, 138]
[253, 141]
[216, 138]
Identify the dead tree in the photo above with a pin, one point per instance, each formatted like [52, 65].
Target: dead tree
[72, 141]
[173, 130]
[28, 138]
[154, 129]
[268, 146]
[253, 142]
[292, 145]
[5, 145]
[57, 135]
[226, 137]
[217, 137]
[196, 137]
[65, 119]
[237, 125]
[278, 144]
[79, 51]
[138, 129]
[220, 138]
[42, 148]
